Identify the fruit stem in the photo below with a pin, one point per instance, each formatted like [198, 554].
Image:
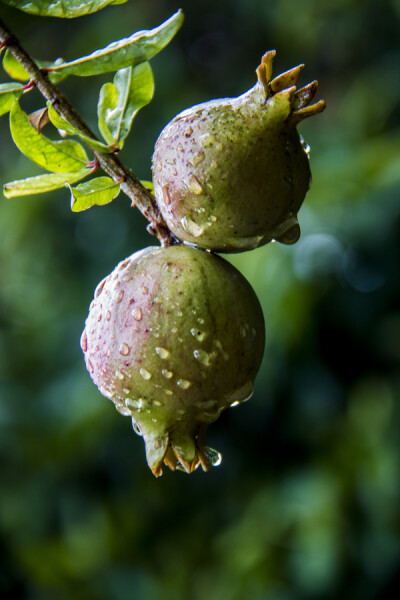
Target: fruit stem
[140, 196]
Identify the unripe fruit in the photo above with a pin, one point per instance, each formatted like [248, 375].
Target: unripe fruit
[174, 335]
[231, 174]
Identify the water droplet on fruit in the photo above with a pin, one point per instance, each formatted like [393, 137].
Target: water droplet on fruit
[184, 384]
[162, 352]
[191, 227]
[124, 350]
[199, 335]
[119, 375]
[167, 374]
[165, 194]
[84, 341]
[137, 313]
[99, 288]
[145, 373]
[119, 297]
[195, 185]
[136, 428]
[202, 356]
[123, 410]
[157, 403]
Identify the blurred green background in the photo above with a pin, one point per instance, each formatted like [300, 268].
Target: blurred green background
[306, 502]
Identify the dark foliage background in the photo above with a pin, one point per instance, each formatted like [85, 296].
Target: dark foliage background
[306, 503]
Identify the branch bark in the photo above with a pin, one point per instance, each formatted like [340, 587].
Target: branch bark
[141, 197]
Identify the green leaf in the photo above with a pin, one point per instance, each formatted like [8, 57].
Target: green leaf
[13, 68]
[120, 101]
[128, 52]
[8, 93]
[97, 191]
[42, 183]
[61, 8]
[61, 123]
[148, 185]
[66, 156]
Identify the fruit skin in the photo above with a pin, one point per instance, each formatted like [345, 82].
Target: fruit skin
[174, 335]
[231, 174]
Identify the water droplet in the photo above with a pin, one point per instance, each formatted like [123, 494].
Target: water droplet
[137, 313]
[108, 315]
[119, 375]
[184, 384]
[157, 403]
[206, 140]
[134, 404]
[136, 428]
[123, 410]
[202, 356]
[195, 185]
[179, 313]
[200, 320]
[124, 350]
[167, 374]
[119, 297]
[126, 391]
[165, 194]
[213, 456]
[199, 335]
[145, 374]
[197, 159]
[84, 341]
[168, 392]
[162, 352]
[99, 288]
[191, 227]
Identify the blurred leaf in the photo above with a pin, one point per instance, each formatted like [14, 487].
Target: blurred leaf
[99, 191]
[120, 101]
[61, 123]
[148, 184]
[61, 8]
[131, 51]
[66, 156]
[8, 93]
[13, 68]
[42, 183]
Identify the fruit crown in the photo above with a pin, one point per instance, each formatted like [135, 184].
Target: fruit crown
[285, 84]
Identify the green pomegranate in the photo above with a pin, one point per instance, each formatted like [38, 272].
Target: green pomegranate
[174, 336]
[231, 174]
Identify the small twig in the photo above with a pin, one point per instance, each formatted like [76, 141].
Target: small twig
[140, 196]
